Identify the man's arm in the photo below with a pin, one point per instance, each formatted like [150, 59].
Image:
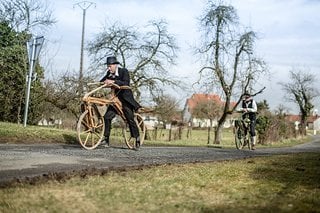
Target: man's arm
[254, 107]
[124, 78]
[104, 78]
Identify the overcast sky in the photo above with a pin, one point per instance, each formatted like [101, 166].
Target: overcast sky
[288, 30]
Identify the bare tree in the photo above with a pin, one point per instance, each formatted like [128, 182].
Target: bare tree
[301, 90]
[228, 56]
[166, 107]
[26, 15]
[208, 109]
[281, 110]
[62, 93]
[146, 54]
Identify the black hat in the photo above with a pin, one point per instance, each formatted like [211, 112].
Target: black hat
[246, 93]
[112, 60]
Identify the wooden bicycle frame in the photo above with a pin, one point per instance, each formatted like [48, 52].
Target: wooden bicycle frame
[90, 127]
[113, 101]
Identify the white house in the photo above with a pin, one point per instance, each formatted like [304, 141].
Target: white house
[313, 122]
[150, 121]
[192, 102]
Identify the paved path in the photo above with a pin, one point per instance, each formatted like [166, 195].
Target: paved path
[20, 162]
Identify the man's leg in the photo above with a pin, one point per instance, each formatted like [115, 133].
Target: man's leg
[134, 130]
[108, 116]
[253, 134]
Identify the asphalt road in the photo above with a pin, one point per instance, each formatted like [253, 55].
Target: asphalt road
[32, 163]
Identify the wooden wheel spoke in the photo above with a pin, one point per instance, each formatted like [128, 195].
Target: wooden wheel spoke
[86, 140]
[95, 133]
[92, 139]
[85, 123]
[85, 131]
[99, 126]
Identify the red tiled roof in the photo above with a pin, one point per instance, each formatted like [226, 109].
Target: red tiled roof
[311, 119]
[293, 118]
[200, 98]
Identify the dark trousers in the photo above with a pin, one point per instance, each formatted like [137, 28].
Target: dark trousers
[252, 127]
[129, 115]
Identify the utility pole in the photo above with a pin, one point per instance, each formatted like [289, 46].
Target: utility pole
[84, 5]
[34, 46]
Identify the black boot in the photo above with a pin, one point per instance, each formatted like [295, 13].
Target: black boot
[105, 142]
[137, 143]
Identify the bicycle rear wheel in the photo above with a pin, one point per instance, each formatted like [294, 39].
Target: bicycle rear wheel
[130, 142]
[90, 128]
[239, 136]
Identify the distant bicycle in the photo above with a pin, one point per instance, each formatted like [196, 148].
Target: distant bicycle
[241, 131]
[90, 127]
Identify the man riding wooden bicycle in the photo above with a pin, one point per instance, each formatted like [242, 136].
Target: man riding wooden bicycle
[93, 129]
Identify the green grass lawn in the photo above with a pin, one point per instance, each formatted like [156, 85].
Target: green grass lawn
[16, 133]
[285, 183]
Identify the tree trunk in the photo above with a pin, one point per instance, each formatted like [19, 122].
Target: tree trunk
[180, 133]
[218, 130]
[155, 133]
[19, 110]
[18, 115]
[209, 131]
[217, 134]
[303, 130]
[189, 130]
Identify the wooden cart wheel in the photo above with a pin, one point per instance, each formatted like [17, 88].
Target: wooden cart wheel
[90, 128]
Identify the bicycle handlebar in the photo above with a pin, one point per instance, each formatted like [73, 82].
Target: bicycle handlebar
[109, 85]
[117, 86]
[103, 85]
[241, 111]
[95, 83]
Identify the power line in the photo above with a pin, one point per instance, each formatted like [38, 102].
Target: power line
[84, 5]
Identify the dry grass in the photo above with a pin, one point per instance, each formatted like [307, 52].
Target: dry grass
[286, 183]
[16, 133]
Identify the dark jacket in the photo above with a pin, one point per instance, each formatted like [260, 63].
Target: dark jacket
[251, 105]
[122, 78]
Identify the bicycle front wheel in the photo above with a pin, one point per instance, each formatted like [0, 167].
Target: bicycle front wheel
[239, 137]
[90, 128]
[130, 142]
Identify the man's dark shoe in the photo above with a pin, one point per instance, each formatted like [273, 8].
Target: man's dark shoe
[137, 144]
[253, 147]
[105, 143]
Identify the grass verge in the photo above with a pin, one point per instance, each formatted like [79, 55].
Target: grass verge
[16, 133]
[284, 183]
